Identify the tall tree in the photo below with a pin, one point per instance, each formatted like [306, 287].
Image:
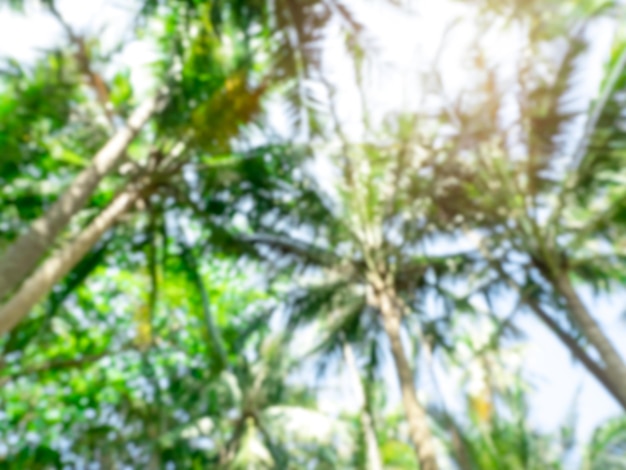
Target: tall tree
[223, 100]
[529, 188]
[365, 243]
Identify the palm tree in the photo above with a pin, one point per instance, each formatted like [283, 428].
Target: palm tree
[224, 97]
[365, 247]
[531, 217]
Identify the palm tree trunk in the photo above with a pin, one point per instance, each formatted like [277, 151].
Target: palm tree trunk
[391, 312]
[20, 258]
[613, 363]
[39, 284]
[374, 459]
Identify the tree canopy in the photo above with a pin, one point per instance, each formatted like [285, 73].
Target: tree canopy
[192, 262]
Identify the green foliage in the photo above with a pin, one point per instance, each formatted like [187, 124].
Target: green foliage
[177, 341]
[607, 448]
[34, 114]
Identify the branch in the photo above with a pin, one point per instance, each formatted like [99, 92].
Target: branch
[597, 370]
[592, 122]
[307, 252]
[590, 127]
[576, 350]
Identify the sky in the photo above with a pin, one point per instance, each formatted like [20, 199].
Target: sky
[405, 44]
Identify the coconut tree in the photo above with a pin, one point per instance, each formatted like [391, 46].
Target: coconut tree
[364, 247]
[215, 90]
[526, 190]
